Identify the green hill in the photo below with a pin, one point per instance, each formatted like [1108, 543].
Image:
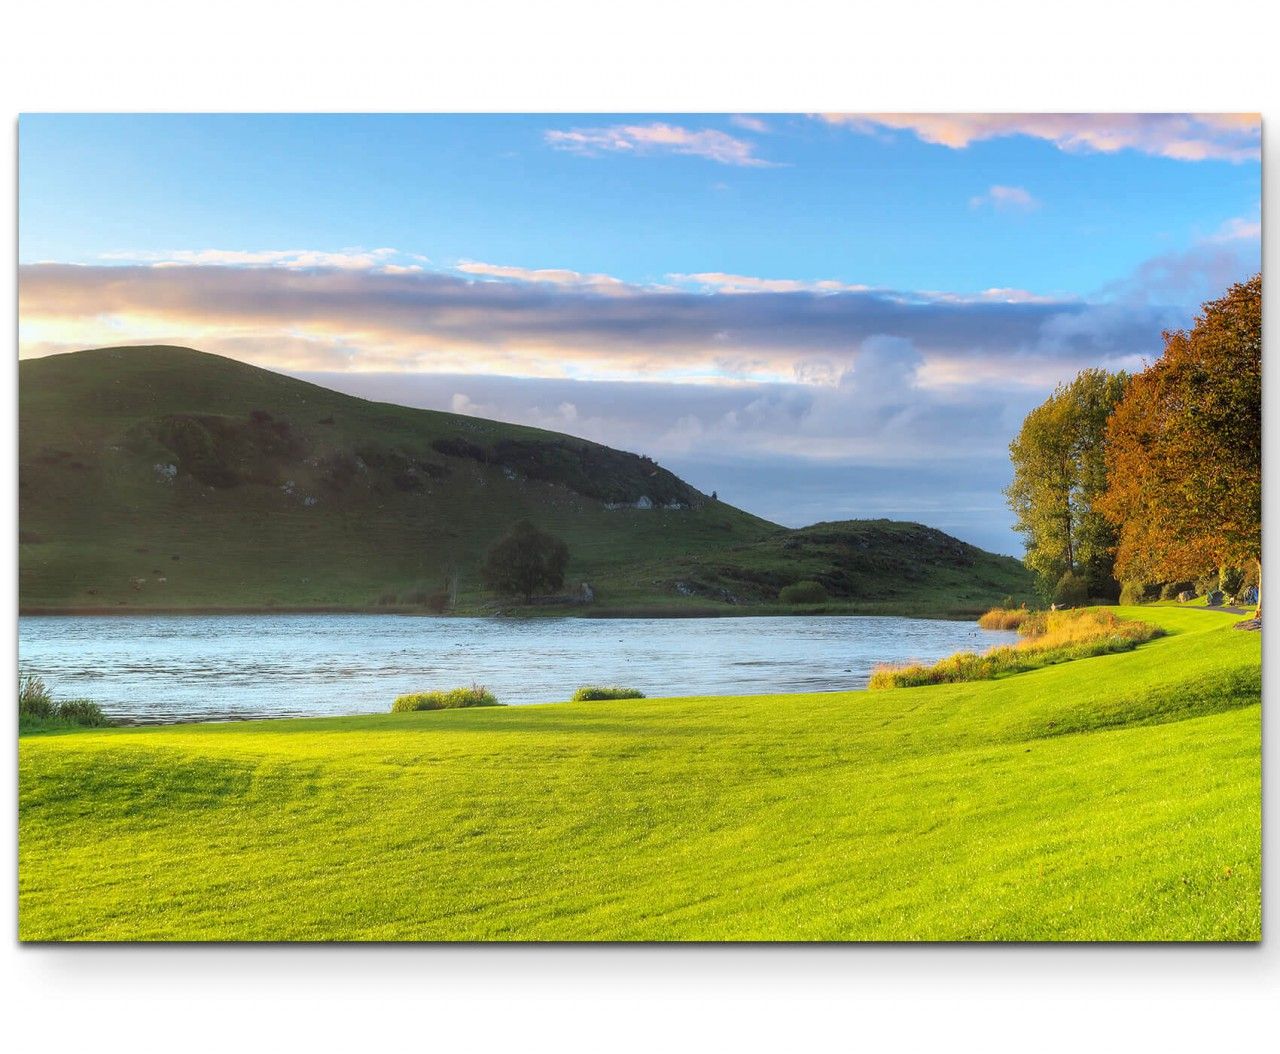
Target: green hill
[162, 477]
[1111, 798]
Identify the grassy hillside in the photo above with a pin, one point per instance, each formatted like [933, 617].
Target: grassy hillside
[1113, 798]
[879, 566]
[159, 477]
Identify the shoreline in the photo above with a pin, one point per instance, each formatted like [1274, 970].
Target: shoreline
[523, 614]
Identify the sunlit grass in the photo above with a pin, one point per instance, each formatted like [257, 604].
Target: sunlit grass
[1048, 638]
[1003, 618]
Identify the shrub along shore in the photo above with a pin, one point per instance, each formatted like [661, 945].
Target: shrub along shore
[1048, 638]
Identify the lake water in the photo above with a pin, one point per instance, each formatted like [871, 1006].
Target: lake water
[148, 668]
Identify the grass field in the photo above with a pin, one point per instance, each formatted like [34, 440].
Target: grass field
[165, 478]
[1113, 798]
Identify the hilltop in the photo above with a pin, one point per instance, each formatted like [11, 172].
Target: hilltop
[163, 477]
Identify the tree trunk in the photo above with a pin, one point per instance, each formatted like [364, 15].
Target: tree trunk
[1066, 519]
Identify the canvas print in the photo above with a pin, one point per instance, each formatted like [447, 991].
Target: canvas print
[639, 527]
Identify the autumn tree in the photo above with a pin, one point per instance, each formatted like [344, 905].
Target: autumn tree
[1059, 472]
[1184, 448]
[524, 561]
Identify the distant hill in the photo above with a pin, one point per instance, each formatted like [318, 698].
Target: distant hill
[162, 477]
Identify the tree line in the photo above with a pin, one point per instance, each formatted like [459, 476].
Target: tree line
[1124, 481]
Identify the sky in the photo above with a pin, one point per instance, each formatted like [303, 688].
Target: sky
[818, 316]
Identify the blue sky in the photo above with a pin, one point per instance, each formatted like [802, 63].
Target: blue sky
[823, 312]
[884, 210]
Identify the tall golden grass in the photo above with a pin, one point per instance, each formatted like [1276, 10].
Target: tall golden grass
[1048, 638]
[1004, 618]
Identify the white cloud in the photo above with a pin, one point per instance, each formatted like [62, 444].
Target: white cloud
[552, 275]
[1004, 198]
[995, 295]
[751, 124]
[1182, 136]
[639, 139]
[292, 259]
[720, 282]
[1237, 229]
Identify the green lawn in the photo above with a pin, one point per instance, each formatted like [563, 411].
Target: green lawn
[1112, 798]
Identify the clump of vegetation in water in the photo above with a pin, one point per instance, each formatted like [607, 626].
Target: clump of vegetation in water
[453, 699]
[596, 691]
[37, 708]
[1004, 618]
[1048, 638]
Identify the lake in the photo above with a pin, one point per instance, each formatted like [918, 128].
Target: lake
[153, 668]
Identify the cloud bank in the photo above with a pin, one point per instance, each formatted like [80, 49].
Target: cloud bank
[1182, 136]
[796, 399]
[658, 138]
[732, 328]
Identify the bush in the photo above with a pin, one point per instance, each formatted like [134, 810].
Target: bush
[1230, 579]
[1135, 592]
[1004, 618]
[1049, 637]
[453, 699]
[34, 698]
[595, 691]
[36, 707]
[803, 593]
[1071, 591]
[438, 602]
[1170, 590]
[1206, 583]
[434, 600]
[1102, 587]
[83, 712]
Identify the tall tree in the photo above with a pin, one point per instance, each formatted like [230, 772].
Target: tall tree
[1059, 472]
[1184, 448]
[524, 561]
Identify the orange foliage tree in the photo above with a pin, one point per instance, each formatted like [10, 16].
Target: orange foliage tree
[1184, 448]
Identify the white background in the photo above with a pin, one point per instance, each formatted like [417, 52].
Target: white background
[620, 56]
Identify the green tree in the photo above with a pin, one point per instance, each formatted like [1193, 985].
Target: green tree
[524, 561]
[1059, 472]
[1184, 448]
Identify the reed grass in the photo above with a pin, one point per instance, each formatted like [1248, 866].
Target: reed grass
[1048, 638]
